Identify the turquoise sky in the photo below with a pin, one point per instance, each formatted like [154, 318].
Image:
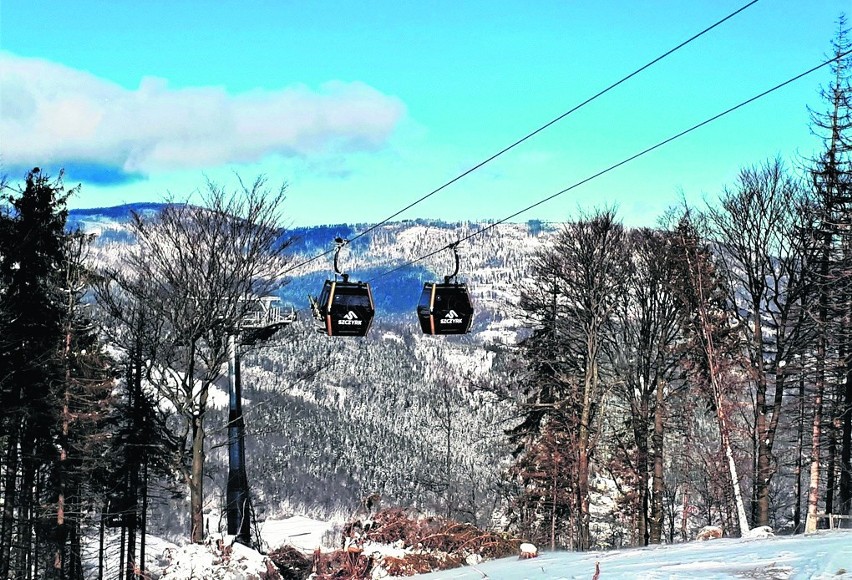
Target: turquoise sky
[363, 107]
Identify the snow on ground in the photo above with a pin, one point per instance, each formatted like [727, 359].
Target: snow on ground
[183, 562]
[818, 556]
[300, 532]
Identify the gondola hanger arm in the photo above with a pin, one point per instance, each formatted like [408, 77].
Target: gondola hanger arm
[454, 248]
[340, 243]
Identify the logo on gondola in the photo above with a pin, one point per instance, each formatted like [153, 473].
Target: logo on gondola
[452, 318]
[350, 319]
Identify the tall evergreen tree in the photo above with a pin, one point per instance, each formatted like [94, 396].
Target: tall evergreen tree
[831, 175]
[55, 385]
[30, 270]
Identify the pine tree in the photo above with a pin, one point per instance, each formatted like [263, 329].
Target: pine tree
[55, 388]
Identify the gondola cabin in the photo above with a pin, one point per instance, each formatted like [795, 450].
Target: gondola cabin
[346, 308]
[445, 309]
[120, 512]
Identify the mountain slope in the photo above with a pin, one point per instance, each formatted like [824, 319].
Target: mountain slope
[413, 418]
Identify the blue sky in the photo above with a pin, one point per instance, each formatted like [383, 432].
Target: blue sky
[363, 107]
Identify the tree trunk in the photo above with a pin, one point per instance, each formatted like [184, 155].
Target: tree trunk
[722, 418]
[831, 465]
[816, 436]
[9, 500]
[61, 466]
[800, 444]
[196, 481]
[143, 517]
[121, 553]
[583, 442]
[101, 529]
[553, 516]
[196, 474]
[640, 430]
[658, 484]
[845, 491]
[75, 545]
[725, 433]
[763, 473]
[583, 532]
[26, 519]
[642, 527]
[132, 488]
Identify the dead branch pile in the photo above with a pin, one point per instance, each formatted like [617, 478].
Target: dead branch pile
[292, 564]
[418, 544]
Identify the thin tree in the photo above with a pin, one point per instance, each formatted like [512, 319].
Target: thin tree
[86, 398]
[703, 297]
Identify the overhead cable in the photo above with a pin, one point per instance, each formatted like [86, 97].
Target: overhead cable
[619, 164]
[531, 134]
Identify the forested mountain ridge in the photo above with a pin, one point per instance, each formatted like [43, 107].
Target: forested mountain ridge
[332, 420]
[493, 263]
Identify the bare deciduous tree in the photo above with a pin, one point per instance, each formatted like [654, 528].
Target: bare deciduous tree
[192, 273]
[585, 271]
[644, 357]
[757, 229]
[707, 308]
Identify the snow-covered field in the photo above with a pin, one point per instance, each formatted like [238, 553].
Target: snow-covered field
[300, 532]
[821, 555]
[826, 554]
[204, 562]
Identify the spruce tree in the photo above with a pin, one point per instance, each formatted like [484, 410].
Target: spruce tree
[32, 304]
[831, 175]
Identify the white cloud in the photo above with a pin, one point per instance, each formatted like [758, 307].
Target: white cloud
[52, 114]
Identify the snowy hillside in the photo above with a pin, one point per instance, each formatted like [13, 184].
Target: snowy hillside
[324, 416]
[416, 420]
[819, 556]
[822, 555]
[492, 263]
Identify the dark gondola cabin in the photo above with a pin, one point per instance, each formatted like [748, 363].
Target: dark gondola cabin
[346, 308]
[444, 309]
[120, 512]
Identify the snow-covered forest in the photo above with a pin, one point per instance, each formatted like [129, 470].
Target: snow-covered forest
[620, 387]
